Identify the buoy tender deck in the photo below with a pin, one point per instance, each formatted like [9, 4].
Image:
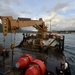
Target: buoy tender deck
[53, 61]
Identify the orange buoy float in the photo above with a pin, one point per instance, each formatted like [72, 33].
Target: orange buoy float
[24, 61]
[32, 71]
[37, 67]
[29, 56]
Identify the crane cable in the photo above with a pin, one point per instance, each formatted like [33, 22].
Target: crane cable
[14, 38]
[11, 51]
[11, 38]
[12, 46]
[13, 42]
[4, 52]
[4, 41]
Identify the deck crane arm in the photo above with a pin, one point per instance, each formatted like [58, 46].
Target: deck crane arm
[8, 23]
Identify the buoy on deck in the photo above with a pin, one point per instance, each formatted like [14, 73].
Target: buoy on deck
[37, 67]
[24, 61]
[29, 56]
[32, 71]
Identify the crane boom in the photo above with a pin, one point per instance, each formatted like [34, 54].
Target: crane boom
[8, 23]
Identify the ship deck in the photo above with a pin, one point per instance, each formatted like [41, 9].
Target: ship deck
[51, 59]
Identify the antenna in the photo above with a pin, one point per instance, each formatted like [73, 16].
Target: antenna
[50, 25]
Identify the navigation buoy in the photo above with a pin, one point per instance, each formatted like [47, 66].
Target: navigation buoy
[32, 71]
[37, 67]
[24, 61]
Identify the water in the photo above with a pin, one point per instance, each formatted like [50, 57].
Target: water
[70, 51]
[69, 46]
[8, 41]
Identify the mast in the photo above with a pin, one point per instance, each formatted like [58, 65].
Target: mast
[50, 25]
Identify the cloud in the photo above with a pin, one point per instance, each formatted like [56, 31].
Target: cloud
[55, 20]
[50, 16]
[26, 12]
[54, 11]
[6, 8]
[34, 18]
[59, 6]
[8, 2]
[65, 24]
[22, 15]
[65, 9]
[69, 24]
[58, 21]
[44, 8]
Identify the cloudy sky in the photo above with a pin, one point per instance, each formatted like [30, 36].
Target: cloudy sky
[60, 12]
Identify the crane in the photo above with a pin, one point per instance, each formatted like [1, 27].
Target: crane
[10, 24]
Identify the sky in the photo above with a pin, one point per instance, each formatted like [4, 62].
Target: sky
[60, 12]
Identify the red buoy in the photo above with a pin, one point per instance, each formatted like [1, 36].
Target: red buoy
[29, 56]
[41, 65]
[24, 61]
[41, 68]
[32, 71]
